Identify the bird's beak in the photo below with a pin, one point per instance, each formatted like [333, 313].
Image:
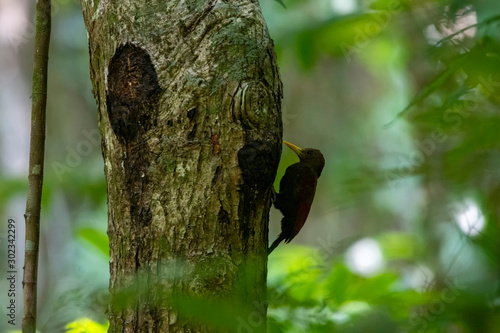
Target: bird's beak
[296, 149]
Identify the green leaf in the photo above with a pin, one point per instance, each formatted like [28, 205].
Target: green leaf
[96, 238]
[398, 245]
[86, 325]
[433, 86]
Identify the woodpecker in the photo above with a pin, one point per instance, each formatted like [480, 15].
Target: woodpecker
[297, 189]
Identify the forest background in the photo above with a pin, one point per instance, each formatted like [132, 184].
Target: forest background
[402, 97]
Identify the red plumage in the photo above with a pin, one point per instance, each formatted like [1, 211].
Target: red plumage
[297, 190]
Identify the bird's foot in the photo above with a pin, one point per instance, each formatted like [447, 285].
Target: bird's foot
[273, 194]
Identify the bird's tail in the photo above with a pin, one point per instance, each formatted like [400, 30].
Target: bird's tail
[275, 243]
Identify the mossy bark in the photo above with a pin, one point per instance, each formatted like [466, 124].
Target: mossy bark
[189, 97]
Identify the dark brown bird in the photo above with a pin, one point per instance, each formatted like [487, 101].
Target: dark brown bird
[297, 189]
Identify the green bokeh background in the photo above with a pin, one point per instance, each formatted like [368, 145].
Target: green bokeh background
[403, 235]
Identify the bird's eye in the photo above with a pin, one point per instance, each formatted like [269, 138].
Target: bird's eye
[309, 152]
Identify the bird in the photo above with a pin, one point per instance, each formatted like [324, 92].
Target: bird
[297, 190]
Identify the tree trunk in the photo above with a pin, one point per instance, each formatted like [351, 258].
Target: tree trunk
[36, 164]
[189, 98]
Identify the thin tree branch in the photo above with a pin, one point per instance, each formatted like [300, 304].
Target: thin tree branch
[35, 173]
[478, 24]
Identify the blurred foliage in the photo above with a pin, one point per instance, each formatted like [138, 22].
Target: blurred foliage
[96, 238]
[401, 96]
[86, 325]
[432, 188]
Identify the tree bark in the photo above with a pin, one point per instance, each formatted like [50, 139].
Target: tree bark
[36, 164]
[189, 95]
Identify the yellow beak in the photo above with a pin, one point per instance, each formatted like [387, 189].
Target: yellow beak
[296, 149]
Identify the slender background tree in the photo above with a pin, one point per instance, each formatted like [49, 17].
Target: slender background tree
[36, 165]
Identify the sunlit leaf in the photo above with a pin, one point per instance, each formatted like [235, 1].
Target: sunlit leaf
[96, 238]
[86, 325]
[398, 245]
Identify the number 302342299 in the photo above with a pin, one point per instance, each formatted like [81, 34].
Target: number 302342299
[11, 243]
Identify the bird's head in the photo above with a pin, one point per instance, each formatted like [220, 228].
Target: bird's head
[310, 156]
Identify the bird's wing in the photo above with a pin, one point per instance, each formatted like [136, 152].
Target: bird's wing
[297, 189]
